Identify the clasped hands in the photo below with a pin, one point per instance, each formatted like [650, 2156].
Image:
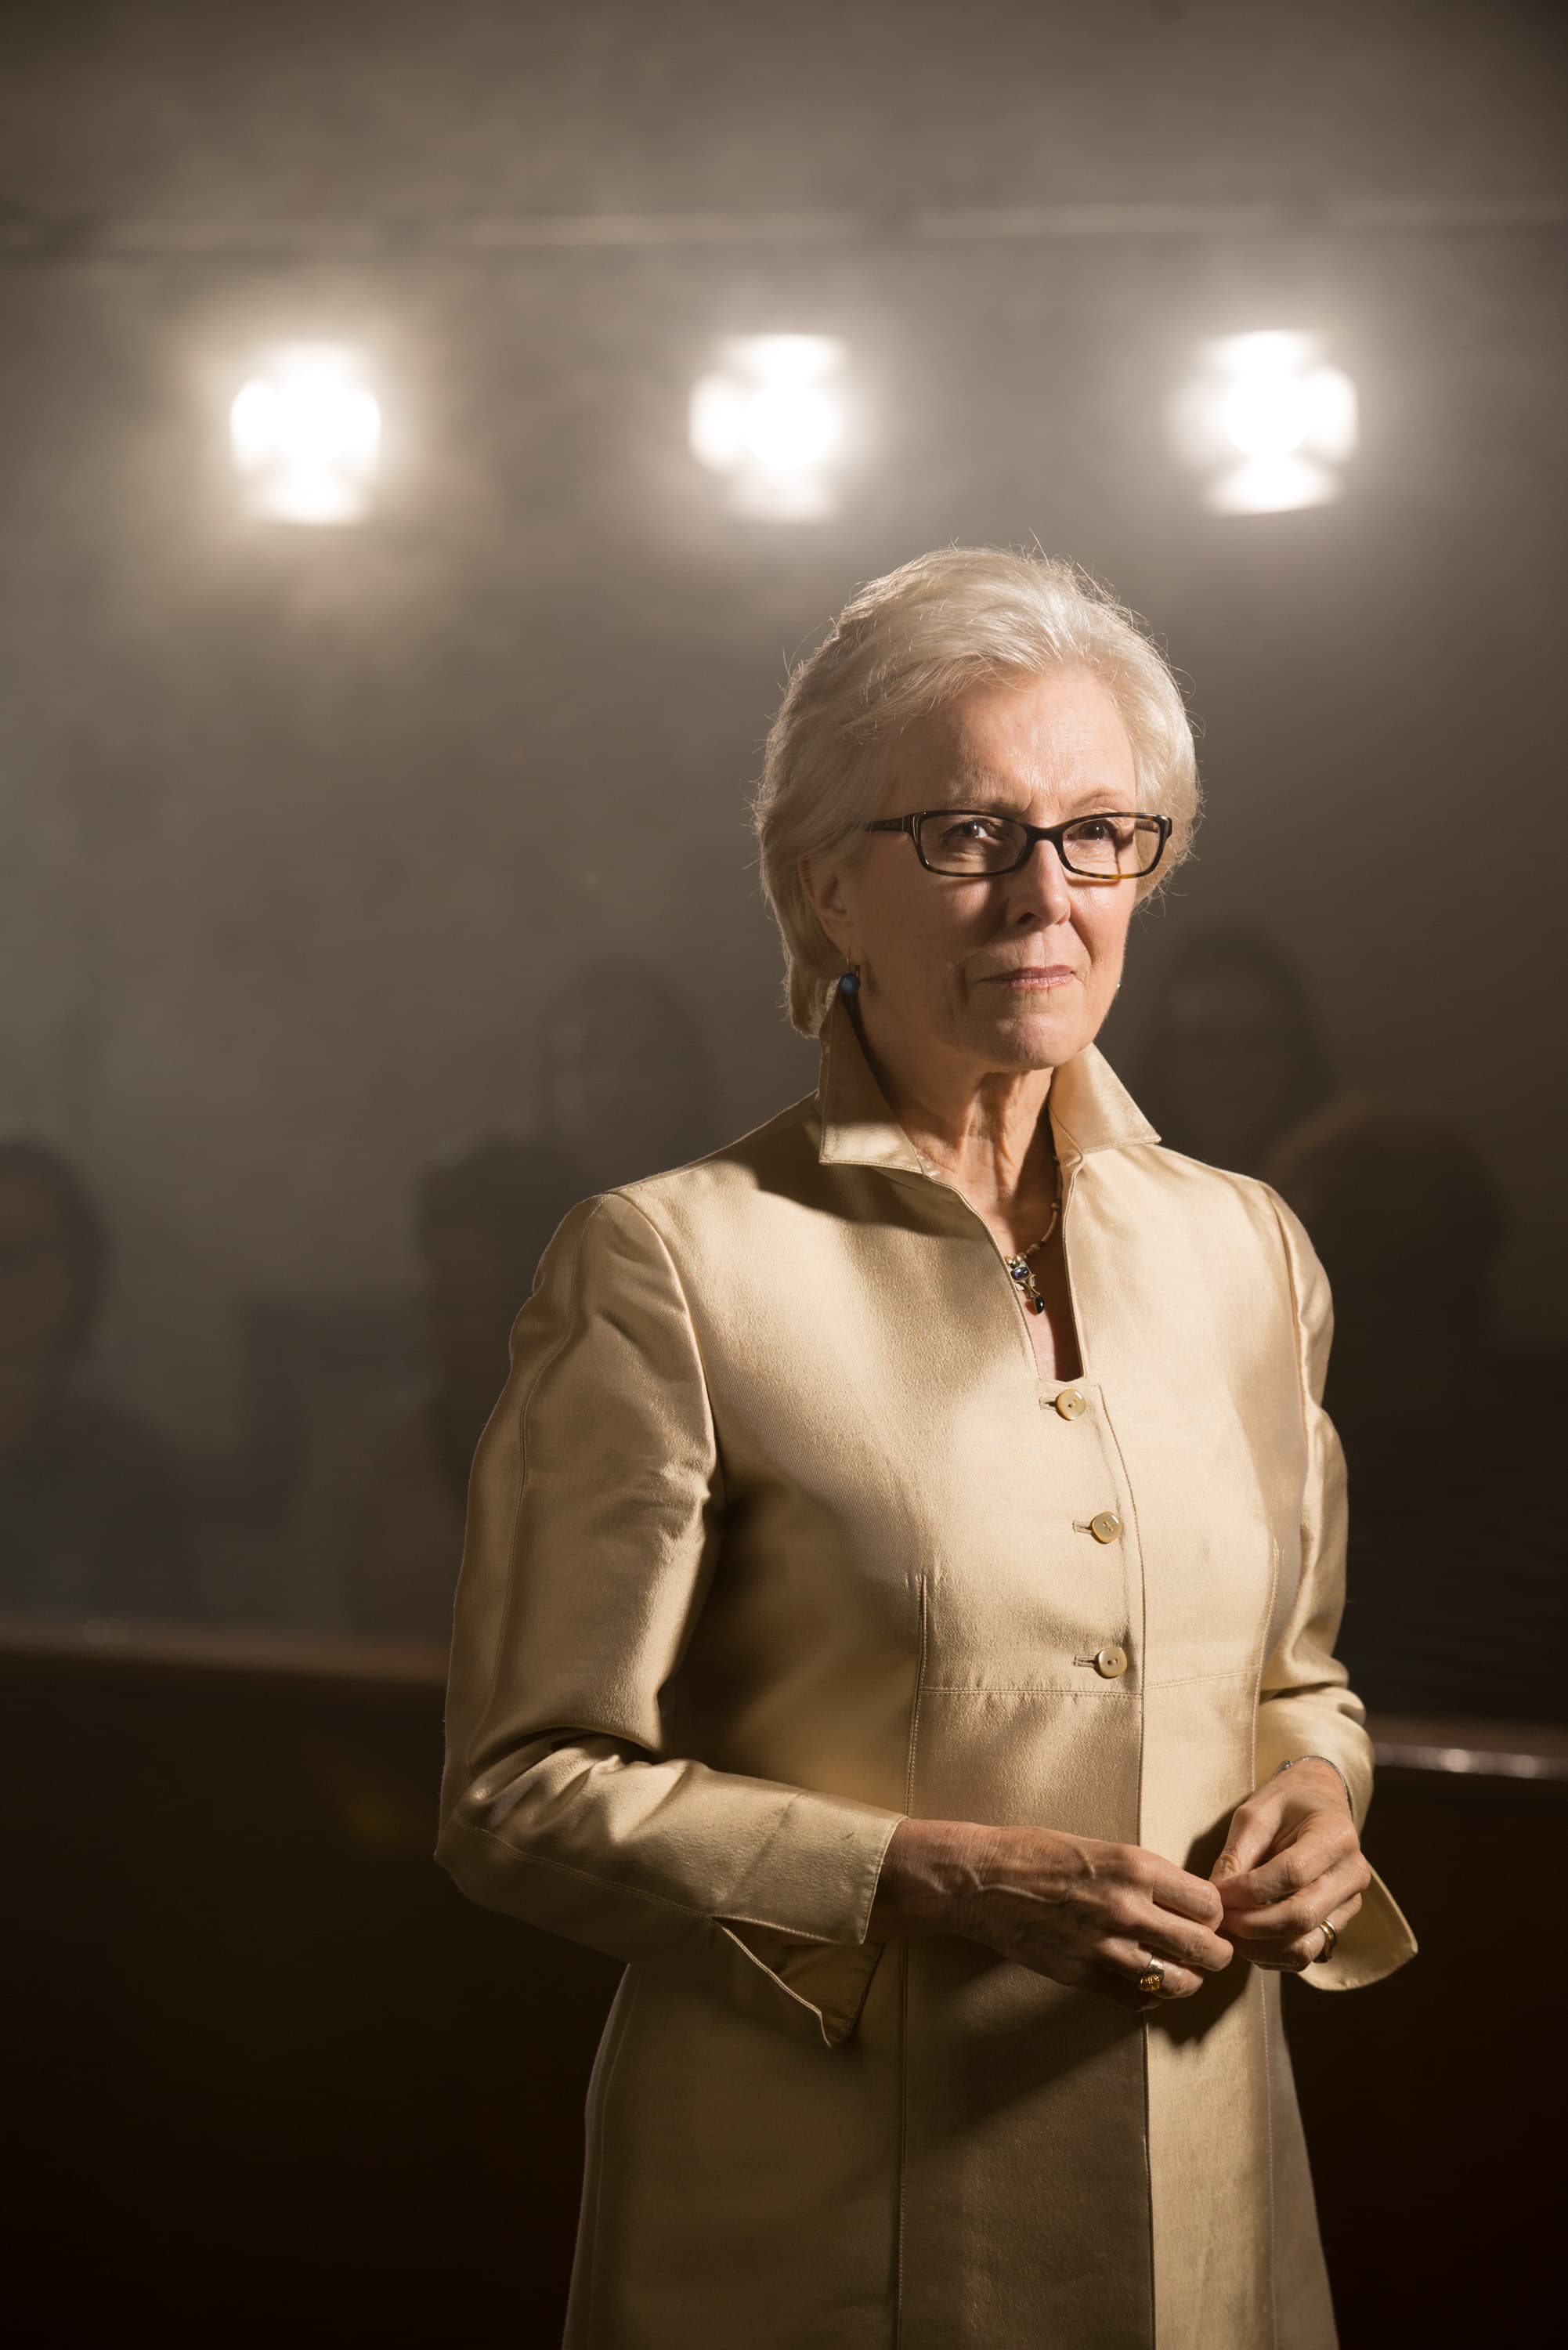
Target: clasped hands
[1091, 1914]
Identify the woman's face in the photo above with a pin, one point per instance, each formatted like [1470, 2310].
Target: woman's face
[1003, 972]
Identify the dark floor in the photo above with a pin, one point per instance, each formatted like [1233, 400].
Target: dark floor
[272, 2077]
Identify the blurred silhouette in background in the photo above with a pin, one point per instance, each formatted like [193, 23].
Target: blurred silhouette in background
[95, 1514]
[1459, 1558]
[625, 1091]
[626, 1087]
[1235, 1058]
[483, 1213]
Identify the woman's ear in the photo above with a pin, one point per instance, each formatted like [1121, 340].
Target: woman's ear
[822, 878]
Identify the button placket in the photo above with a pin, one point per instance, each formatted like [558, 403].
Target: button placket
[1110, 1661]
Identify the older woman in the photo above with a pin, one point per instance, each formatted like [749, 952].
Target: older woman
[902, 1581]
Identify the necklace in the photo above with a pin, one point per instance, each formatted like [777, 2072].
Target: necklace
[1021, 1269]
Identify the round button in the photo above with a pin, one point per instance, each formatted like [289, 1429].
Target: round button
[1106, 1526]
[1111, 1663]
[1071, 1404]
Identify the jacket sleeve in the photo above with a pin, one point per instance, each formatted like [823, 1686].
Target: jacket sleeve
[1306, 1705]
[593, 1534]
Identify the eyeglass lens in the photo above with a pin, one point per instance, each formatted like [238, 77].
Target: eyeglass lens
[970, 841]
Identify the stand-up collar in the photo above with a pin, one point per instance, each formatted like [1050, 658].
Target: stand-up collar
[1091, 1109]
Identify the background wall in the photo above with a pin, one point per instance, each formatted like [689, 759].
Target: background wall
[298, 829]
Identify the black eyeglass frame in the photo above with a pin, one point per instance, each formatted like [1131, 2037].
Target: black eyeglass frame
[1033, 834]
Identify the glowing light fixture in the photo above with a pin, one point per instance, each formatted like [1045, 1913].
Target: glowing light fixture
[307, 435]
[1269, 422]
[774, 420]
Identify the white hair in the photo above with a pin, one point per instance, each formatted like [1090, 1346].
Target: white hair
[913, 642]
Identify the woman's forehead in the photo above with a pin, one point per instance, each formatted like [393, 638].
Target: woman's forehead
[1044, 727]
[1056, 738]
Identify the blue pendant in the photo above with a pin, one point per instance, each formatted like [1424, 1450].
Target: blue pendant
[1023, 1273]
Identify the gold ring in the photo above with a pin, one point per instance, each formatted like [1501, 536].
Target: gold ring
[1330, 1937]
[1153, 1976]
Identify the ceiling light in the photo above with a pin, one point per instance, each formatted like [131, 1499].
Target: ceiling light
[1268, 422]
[305, 435]
[772, 419]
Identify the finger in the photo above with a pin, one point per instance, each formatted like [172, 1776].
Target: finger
[1252, 1832]
[1196, 1948]
[1323, 1942]
[1125, 1962]
[1340, 1917]
[1276, 1958]
[1303, 1910]
[1183, 1895]
[1303, 1951]
[1309, 1856]
[1280, 1921]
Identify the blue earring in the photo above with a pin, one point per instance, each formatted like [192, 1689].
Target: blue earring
[849, 981]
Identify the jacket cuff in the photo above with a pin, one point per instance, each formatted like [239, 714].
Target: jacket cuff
[803, 1966]
[1376, 1942]
[818, 1989]
[820, 1984]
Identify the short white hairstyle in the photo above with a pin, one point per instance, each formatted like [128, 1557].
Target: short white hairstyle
[914, 642]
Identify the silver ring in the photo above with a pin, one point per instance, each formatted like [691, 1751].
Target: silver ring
[1153, 1976]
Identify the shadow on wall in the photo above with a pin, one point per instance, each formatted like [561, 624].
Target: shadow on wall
[1234, 1057]
[1458, 1576]
[96, 1512]
[625, 1086]
[625, 1092]
[343, 1507]
[1459, 1557]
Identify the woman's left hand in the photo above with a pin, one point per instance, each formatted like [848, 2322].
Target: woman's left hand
[1291, 1863]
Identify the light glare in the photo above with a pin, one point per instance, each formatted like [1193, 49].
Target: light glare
[306, 436]
[792, 426]
[1269, 422]
[1268, 419]
[1270, 484]
[772, 420]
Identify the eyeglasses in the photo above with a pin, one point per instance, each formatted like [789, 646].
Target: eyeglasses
[963, 842]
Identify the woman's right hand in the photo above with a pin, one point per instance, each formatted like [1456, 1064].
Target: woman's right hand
[1088, 1914]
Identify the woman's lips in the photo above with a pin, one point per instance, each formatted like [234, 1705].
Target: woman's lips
[1034, 979]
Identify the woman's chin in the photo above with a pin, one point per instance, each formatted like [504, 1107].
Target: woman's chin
[1040, 1032]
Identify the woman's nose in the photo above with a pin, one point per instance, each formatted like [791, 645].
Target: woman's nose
[1040, 885]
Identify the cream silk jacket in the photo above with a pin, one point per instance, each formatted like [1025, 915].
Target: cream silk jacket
[776, 1537]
